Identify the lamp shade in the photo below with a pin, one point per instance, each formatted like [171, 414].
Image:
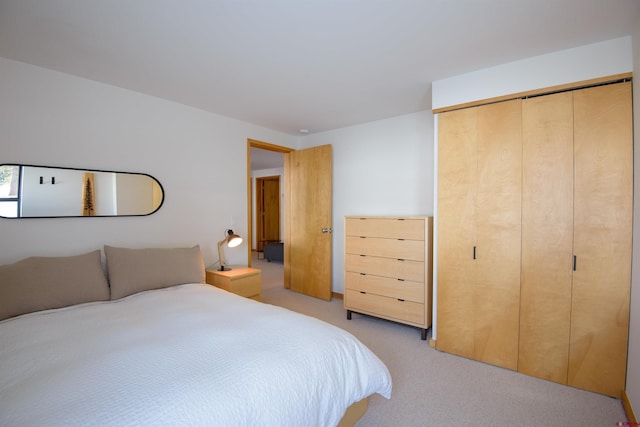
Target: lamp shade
[232, 239]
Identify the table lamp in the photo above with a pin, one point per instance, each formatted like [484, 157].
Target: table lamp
[230, 239]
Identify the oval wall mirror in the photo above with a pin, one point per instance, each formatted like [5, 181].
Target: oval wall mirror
[31, 191]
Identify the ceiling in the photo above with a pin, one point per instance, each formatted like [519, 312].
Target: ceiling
[297, 64]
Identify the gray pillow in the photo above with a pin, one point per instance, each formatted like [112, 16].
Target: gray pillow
[136, 270]
[40, 283]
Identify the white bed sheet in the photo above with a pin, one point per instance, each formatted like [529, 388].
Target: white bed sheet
[188, 355]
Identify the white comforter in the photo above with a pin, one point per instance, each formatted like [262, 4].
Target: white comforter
[187, 355]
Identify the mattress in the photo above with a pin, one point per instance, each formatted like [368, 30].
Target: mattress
[185, 355]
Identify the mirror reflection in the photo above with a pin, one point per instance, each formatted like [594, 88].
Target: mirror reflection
[29, 191]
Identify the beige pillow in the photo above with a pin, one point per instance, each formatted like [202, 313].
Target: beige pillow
[136, 270]
[40, 283]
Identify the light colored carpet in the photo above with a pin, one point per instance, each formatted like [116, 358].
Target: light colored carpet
[432, 388]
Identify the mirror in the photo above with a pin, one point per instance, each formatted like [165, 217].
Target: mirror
[30, 191]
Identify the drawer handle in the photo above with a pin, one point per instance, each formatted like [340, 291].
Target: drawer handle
[400, 259]
[402, 240]
[399, 280]
[401, 300]
[363, 237]
[363, 274]
[363, 292]
[362, 255]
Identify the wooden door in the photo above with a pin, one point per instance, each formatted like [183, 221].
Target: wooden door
[457, 171]
[547, 236]
[498, 233]
[267, 210]
[602, 219]
[308, 238]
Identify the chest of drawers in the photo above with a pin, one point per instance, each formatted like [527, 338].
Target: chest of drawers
[388, 268]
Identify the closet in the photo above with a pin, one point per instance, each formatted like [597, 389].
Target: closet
[534, 235]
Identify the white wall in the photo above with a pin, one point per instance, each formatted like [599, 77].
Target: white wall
[379, 168]
[51, 118]
[587, 62]
[633, 362]
[558, 68]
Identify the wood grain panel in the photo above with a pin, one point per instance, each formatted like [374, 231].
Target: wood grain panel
[498, 233]
[547, 236]
[457, 167]
[387, 308]
[389, 248]
[308, 210]
[386, 267]
[603, 220]
[386, 227]
[386, 286]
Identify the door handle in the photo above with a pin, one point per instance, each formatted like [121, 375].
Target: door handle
[327, 230]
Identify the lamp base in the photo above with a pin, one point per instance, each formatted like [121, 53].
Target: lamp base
[223, 268]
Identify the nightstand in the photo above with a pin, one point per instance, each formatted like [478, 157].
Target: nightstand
[243, 281]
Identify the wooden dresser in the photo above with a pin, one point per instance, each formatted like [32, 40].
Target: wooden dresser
[388, 268]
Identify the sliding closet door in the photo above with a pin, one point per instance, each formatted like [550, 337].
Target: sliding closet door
[547, 236]
[498, 233]
[457, 171]
[603, 218]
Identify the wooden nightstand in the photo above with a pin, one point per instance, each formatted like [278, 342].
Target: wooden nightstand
[243, 281]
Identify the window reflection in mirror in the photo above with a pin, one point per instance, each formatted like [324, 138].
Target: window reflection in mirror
[9, 180]
[28, 191]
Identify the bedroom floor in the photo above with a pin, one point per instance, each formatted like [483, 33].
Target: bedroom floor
[432, 388]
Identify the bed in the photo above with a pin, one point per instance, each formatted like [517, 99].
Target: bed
[160, 347]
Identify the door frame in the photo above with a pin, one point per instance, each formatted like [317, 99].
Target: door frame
[254, 143]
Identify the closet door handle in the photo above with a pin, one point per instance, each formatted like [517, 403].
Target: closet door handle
[575, 262]
[474, 252]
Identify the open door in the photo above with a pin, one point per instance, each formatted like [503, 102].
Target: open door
[308, 221]
[267, 211]
[254, 143]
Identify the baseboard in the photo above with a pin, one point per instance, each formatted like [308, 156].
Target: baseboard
[627, 408]
[337, 295]
[432, 343]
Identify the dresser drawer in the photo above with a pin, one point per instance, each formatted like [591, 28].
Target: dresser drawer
[391, 308]
[392, 228]
[388, 287]
[389, 248]
[387, 267]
